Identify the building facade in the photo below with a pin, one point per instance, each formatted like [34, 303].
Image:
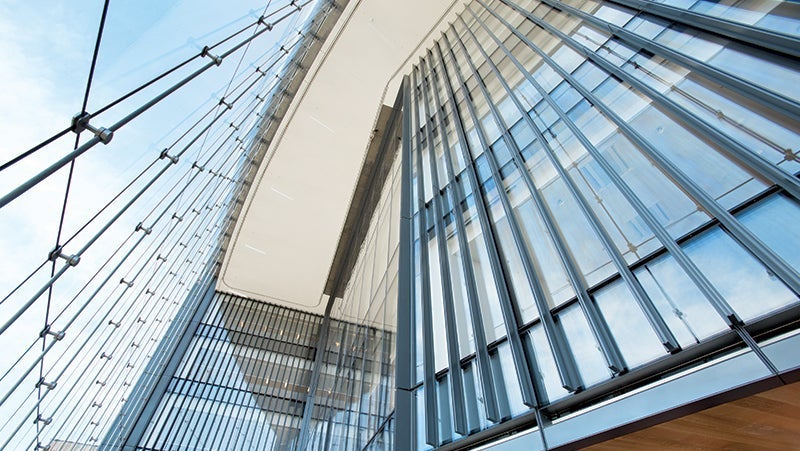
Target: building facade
[578, 218]
[595, 198]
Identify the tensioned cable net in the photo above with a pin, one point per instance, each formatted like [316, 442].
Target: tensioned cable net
[110, 222]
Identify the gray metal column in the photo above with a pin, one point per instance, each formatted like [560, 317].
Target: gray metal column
[405, 354]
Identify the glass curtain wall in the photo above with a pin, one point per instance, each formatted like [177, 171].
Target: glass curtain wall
[354, 404]
[242, 383]
[594, 189]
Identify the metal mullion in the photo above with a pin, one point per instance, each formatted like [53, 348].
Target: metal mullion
[767, 98]
[264, 321]
[429, 379]
[323, 330]
[311, 322]
[253, 317]
[186, 401]
[740, 233]
[292, 377]
[263, 317]
[321, 325]
[193, 403]
[197, 402]
[753, 36]
[341, 360]
[642, 298]
[178, 398]
[364, 353]
[608, 345]
[714, 297]
[383, 394]
[757, 163]
[512, 324]
[346, 373]
[351, 383]
[231, 393]
[405, 358]
[565, 361]
[168, 410]
[281, 359]
[712, 294]
[279, 316]
[350, 356]
[451, 331]
[273, 318]
[336, 373]
[482, 353]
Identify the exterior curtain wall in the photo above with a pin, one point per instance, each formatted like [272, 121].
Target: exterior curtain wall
[361, 341]
[601, 194]
[242, 381]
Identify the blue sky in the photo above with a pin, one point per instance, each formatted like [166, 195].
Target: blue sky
[47, 50]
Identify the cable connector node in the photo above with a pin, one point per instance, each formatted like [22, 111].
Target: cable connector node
[56, 253]
[207, 52]
[49, 385]
[263, 21]
[41, 419]
[57, 336]
[171, 158]
[140, 226]
[80, 122]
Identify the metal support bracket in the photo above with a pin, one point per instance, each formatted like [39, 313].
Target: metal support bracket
[263, 21]
[171, 158]
[140, 226]
[207, 52]
[71, 260]
[41, 419]
[58, 336]
[223, 102]
[80, 122]
[49, 385]
[125, 282]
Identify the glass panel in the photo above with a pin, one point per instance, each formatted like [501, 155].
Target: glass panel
[774, 221]
[546, 364]
[737, 275]
[591, 364]
[635, 337]
[437, 305]
[686, 311]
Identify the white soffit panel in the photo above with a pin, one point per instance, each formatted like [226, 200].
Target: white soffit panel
[284, 240]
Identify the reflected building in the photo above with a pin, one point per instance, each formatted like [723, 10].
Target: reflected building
[571, 219]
